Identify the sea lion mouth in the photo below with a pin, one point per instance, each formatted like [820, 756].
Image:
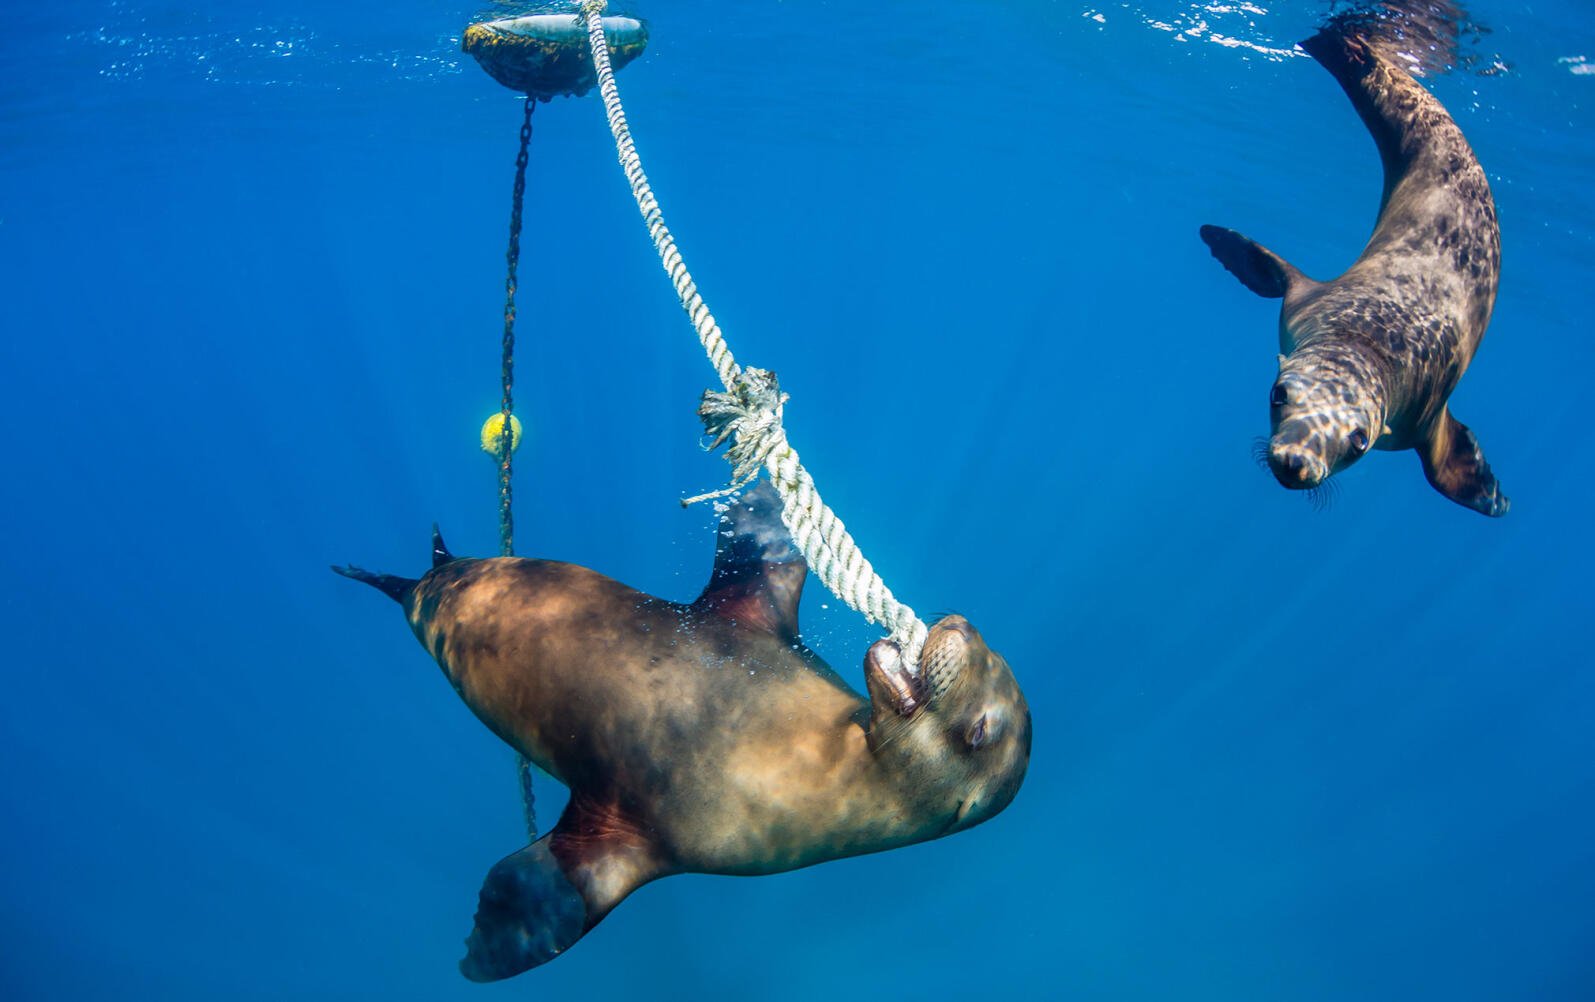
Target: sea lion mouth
[890, 677]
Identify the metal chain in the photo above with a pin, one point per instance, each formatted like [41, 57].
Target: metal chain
[506, 442]
[506, 517]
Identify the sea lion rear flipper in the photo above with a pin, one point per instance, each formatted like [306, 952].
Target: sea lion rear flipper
[1373, 57]
[758, 574]
[528, 913]
[1258, 268]
[391, 585]
[535, 904]
[1456, 467]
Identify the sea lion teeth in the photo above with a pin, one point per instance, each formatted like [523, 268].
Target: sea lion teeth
[905, 689]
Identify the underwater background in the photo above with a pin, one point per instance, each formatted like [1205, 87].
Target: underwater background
[251, 262]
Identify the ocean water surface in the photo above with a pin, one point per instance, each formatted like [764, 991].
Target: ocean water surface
[251, 267]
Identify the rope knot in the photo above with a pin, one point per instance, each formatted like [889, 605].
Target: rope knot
[749, 416]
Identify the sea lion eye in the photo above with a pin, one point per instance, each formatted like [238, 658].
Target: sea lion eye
[1279, 396]
[1359, 441]
[983, 731]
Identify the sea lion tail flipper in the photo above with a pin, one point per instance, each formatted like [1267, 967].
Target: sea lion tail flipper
[391, 585]
[528, 913]
[1456, 467]
[1258, 268]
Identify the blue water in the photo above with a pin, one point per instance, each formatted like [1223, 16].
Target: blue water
[251, 267]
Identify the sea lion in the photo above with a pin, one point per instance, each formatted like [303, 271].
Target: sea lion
[703, 737]
[1370, 358]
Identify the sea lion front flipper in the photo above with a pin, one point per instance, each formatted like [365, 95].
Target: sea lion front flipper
[1258, 268]
[1456, 467]
[758, 574]
[528, 913]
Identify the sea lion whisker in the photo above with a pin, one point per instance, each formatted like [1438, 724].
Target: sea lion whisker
[1323, 496]
[1260, 451]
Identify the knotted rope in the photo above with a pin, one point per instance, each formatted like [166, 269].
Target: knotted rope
[748, 413]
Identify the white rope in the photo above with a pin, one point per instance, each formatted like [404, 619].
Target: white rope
[748, 413]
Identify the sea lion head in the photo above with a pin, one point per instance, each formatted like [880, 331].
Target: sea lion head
[957, 731]
[1325, 410]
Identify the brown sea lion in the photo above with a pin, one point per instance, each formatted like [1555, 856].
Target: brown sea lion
[702, 737]
[1370, 358]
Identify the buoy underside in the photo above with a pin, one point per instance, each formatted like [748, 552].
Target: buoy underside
[547, 55]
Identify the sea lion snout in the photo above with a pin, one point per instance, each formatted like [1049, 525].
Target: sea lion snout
[958, 625]
[1307, 448]
[951, 644]
[1322, 409]
[1295, 467]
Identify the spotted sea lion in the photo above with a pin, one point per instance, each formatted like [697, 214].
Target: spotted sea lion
[702, 737]
[1370, 358]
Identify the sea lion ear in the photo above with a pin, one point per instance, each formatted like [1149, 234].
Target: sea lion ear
[1258, 268]
[758, 574]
